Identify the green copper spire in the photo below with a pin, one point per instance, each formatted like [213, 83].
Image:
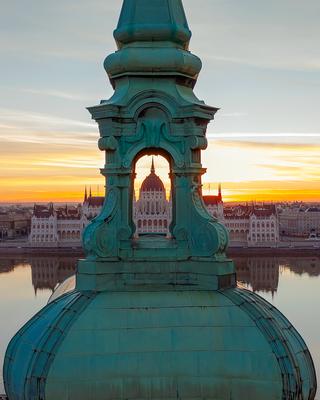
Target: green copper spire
[152, 38]
[155, 111]
[154, 20]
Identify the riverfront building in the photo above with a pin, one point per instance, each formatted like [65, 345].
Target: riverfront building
[14, 225]
[214, 205]
[91, 206]
[63, 226]
[254, 225]
[300, 221]
[52, 227]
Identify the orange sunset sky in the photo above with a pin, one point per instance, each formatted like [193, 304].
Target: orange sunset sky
[247, 170]
[261, 66]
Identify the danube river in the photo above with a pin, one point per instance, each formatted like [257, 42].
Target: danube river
[290, 282]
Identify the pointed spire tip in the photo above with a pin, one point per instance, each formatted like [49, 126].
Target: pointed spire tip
[153, 170]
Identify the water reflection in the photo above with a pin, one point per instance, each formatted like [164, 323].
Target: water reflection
[7, 265]
[260, 273]
[303, 265]
[27, 281]
[46, 272]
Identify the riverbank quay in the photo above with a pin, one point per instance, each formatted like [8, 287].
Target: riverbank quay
[232, 251]
[42, 251]
[273, 251]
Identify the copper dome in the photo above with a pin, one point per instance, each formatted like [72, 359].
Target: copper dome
[152, 182]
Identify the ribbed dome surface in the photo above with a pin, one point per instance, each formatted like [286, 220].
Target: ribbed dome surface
[152, 183]
[166, 345]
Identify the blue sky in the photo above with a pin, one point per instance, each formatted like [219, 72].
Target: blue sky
[261, 66]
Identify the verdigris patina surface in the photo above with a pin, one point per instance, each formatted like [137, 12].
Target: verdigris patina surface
[153, 317]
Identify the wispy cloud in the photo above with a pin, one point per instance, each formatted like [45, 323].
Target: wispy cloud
[59, 94]
[282, 63]
[235, 114]
[300, 148]
[234, 135]
[26, 127]
[280, 168]
[40, 121]
[73, 163]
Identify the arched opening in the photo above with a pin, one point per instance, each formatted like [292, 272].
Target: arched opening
[152, 206]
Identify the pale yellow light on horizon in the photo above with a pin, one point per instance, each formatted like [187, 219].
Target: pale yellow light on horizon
[247, 170]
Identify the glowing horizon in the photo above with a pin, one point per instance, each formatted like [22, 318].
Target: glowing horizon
[247, 170]
[261, 71]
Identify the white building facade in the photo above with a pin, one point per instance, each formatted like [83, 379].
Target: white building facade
[248, 225]
[300, 222]
[55, 227]
[62, 226]
[264, 226]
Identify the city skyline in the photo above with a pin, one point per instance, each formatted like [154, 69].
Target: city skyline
[261, 65]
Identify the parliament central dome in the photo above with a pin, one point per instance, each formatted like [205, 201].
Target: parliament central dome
[152, 182]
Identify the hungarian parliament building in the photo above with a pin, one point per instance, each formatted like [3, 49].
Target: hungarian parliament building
[248, 225]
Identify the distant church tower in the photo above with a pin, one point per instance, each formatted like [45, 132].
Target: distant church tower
[214, 205]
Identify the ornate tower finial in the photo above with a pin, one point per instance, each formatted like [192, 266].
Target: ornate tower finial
[152, 20]
[85, 194]
[157, 34]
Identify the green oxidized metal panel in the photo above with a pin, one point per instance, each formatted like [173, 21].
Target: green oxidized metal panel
[31, 352]
[143, 347]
